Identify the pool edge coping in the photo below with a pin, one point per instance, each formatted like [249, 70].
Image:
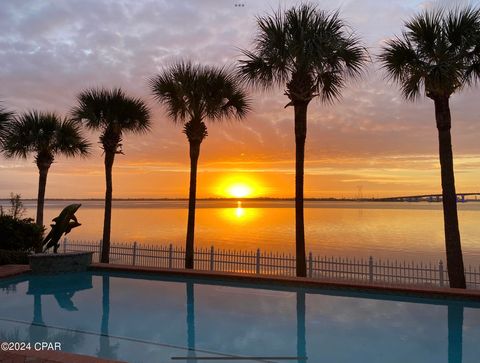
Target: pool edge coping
[7, 271]
[438, 292]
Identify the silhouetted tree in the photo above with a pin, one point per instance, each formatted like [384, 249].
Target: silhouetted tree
[113, 113]
[45, 135]
[438, 54]
[192, 94]
[311, 53]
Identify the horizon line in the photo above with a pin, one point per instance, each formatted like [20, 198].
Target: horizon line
[378, 199]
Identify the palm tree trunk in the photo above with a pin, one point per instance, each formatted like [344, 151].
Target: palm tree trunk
[107, 221]
[456, 273]
[42, 185]
[194, 154]
[300, 136]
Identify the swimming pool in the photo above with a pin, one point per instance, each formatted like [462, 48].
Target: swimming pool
[139, 318]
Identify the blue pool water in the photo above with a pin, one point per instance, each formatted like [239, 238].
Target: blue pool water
[137, 318]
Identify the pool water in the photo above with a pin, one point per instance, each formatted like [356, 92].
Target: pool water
[138, 318]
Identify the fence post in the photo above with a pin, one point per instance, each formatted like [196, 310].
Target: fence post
[65, 245]
[258, 261]
[134, 253]
[170, 256]
[370, 269]
[100, 251]
[440, 273]
[310, 264]
[212, 261]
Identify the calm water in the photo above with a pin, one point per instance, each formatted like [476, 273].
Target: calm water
[102, 315]
[412, 231]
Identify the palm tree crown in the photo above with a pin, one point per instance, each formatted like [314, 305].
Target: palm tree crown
[112, 112]
[193, 93]
[309, 50]
[46, 135]
[439, 52]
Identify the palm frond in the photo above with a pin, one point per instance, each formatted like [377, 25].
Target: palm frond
[257, 72]
[70, 141]
[425, 30]
[5, 118]
[171, 88]
[90, 108]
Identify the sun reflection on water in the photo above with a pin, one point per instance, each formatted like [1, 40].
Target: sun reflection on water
[239, 214]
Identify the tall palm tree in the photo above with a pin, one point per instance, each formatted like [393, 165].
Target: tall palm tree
[45, 135]
[192, 94]
[438, 54]
[311, 53]
[113, 113]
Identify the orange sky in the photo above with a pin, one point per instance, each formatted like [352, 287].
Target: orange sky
[370, 141]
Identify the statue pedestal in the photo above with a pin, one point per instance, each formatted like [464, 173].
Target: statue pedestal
[52, 263]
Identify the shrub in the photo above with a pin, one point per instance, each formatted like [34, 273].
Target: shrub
[19, 234]
[13, 257]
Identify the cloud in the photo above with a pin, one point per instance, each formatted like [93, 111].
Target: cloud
[51, 50]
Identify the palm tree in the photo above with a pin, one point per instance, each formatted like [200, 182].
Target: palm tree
[46, 135]
[439, 53]
[114, 114]
[311, 53]
[192, 94]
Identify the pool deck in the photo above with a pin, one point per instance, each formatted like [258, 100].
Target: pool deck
[13, 270]
[49, 357]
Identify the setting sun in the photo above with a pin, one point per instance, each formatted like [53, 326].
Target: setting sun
[239, 186]
[239, 190]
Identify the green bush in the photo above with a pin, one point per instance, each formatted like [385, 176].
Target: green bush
[19, 234]
[13, 257]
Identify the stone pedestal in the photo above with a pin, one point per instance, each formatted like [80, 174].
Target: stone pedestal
[52, 263]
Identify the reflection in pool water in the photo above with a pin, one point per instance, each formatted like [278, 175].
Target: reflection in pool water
[140, 319]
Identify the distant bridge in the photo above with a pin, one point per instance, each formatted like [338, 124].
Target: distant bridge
[461, 197]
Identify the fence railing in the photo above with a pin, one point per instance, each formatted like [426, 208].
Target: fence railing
[267, 263]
